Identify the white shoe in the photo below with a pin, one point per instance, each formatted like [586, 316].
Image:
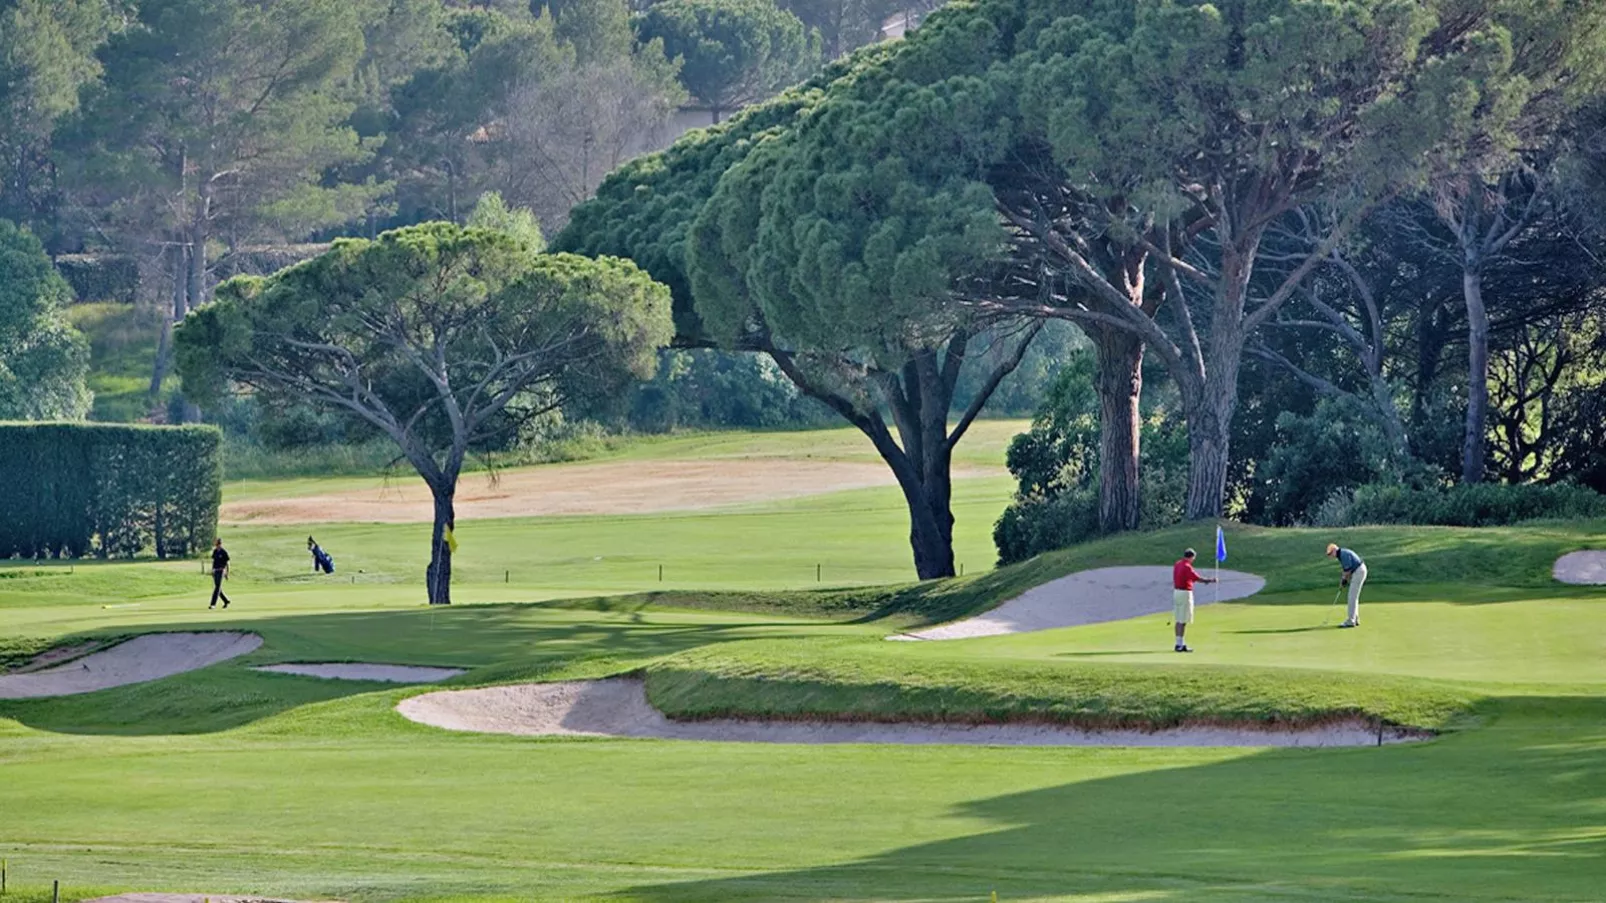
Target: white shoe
[1350, 624]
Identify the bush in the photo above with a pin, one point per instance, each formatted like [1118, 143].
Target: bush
[1476, 505]
[115, 490]
[100, 277]
[1055, 465]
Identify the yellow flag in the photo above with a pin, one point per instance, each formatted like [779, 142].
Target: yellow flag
[451, 541]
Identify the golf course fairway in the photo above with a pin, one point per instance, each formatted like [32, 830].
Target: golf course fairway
[233, 780]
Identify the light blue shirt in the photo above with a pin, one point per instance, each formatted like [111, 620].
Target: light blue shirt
[1348, 560]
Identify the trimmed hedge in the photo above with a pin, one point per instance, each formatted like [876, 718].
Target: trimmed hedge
[1475, 505]
[70, 489]
[100, 277]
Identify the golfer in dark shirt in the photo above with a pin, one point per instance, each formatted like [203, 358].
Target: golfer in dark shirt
[220, 571]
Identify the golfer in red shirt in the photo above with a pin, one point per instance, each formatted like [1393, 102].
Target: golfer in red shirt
[1183, 577]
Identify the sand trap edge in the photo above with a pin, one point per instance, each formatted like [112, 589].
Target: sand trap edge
[1586, 567]
[618, 707]
[395, 674]
[136, 660]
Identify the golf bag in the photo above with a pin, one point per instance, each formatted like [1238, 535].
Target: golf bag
[324, 563]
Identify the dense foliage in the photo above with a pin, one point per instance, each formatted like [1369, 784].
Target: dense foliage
[43, 359]
[112, 491]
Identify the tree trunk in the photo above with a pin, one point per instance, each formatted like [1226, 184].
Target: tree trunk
[1208, 404]
[1119, 382]
[1208, 456]
[931, 526]
[164, 341]
[1473, 443]
[438, 577]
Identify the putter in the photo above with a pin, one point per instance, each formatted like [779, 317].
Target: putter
[1329, 615]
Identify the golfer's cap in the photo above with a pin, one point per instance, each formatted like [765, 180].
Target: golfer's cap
[1188, 553]
[1332, 547]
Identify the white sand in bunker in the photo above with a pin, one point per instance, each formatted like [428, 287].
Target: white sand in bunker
[396, 674]
[143, 658]
[619, 487]
[618, 707]
[1089, 597]
[1586, 568]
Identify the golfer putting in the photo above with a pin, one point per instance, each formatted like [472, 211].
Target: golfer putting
[1354, 577]
[1183, 577]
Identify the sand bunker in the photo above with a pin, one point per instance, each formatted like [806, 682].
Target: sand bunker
[1089, 597]
[619, 487]
[396, 674]
[618, 707]
[138, 660]
[1586, 568]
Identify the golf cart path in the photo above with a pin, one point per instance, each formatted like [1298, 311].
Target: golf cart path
[1090, 597]
[1586, 568]
[143, 658]
[618, 707]
[396, 674]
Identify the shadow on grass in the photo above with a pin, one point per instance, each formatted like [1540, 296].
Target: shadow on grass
[497, 642]
[1512, 812]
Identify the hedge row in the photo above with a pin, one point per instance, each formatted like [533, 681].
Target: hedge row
[100, 277]
[1475, 505]
[69, 490]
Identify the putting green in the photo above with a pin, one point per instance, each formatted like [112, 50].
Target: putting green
[233, 780]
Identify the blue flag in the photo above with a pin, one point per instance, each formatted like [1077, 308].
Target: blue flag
[1221, 545]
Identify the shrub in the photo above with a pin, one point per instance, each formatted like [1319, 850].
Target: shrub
[1055, 465]
[100, 277]
[118, 491]
[1475, 505]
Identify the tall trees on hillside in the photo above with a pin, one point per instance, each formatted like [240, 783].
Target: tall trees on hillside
[215, 123]
[732, 52]
[439, 337]
[47, 54]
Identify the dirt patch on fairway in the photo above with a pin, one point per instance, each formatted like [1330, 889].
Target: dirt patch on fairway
[618, 707]
[396, 674]
[1089, 597]
[189, 898]
[619, 487]
[1586, 568]
[134, 661]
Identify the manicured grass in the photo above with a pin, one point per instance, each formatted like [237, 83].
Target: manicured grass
[881, 681]
[228, 779]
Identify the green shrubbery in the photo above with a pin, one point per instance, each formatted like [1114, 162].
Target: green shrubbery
[114, 491]
[1476, 505]
[100, 277]
[1056, 465]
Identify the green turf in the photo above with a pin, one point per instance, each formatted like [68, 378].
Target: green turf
[228, 779]
[122, 355]
[871, 679]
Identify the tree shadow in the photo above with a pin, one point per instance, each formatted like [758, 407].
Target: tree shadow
[1513, 812]
[1267, 630]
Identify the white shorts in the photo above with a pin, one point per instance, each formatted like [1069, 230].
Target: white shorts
[1182, 606]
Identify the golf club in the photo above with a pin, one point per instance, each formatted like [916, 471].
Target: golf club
[1329, 615]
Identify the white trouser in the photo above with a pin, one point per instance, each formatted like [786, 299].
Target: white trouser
[1355, 581]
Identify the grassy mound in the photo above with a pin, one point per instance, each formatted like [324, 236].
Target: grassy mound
[870, 680]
